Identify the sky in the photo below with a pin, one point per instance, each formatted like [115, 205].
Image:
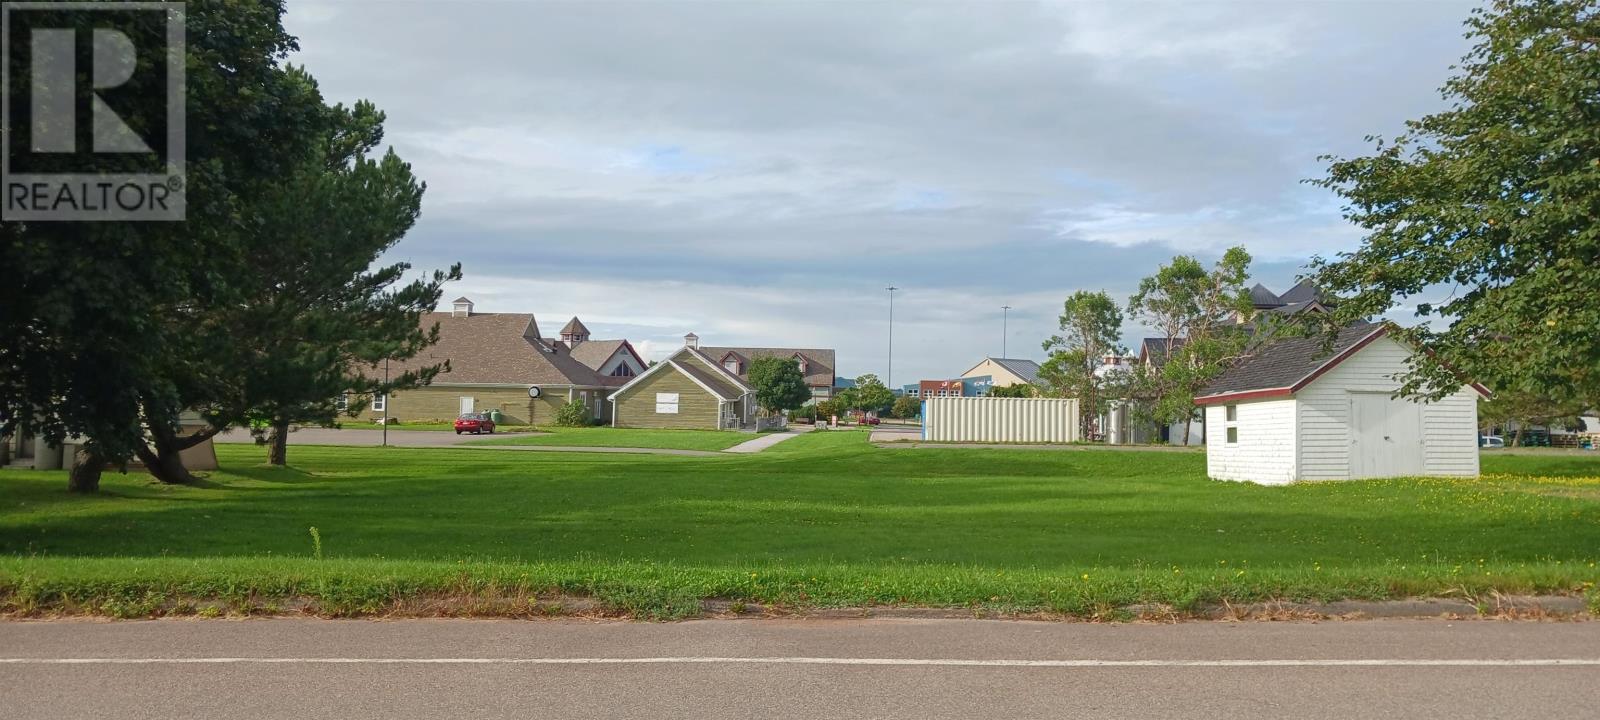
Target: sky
[759, 173]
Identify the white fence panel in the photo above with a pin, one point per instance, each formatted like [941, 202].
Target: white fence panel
[1000, 420]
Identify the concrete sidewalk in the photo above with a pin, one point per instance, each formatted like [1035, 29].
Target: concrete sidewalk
[766, 440]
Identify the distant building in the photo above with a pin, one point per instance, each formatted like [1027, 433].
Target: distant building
[1004, 372]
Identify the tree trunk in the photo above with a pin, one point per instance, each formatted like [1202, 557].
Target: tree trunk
[165, 460]
[1516, 440]
[1186, 423]
[86, 468]
[278, 444]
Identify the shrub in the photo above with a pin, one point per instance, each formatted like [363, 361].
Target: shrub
[573, 414]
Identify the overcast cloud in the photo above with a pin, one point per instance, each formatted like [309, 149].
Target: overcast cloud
[758, 173]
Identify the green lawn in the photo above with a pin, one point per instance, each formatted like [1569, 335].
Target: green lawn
[629, 437]
[820, 520]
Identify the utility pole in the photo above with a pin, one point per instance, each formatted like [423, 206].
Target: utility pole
[890, 380]
[1005, 321]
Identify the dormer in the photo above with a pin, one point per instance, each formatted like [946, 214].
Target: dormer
[461, 307]
[801, 361]
[731, 363]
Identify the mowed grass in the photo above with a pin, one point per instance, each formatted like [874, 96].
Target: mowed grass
[629, 437]
[820, 520]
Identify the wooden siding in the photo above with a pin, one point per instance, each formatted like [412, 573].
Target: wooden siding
[1449, 427]
[442, 403]
[1265, 451]
[697, 409]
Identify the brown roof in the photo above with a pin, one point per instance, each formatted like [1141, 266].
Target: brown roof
[819, 362]
[718, 385]
[575, 327]
[594, 353]
[497, 348]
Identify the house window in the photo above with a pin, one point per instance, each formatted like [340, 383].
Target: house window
[623, 370]
[342, 402]
[380, 403]
[732, 365]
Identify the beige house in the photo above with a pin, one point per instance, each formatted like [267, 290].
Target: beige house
[1005, 372]
[688, 390]
[500, 361]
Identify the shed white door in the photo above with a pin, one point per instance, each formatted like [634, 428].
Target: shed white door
[1385, 436]
[466, 404]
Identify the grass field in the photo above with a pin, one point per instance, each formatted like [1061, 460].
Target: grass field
[820, 520]
[629, 437]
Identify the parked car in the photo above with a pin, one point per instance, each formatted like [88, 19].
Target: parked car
[1491, 441]
[867, 421]
[475, 423]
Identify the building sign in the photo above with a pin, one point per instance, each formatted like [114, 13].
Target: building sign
[666, 403]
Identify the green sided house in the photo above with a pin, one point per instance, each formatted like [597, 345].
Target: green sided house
[500, 361]
[688, 390]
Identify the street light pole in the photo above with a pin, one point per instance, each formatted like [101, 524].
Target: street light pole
[890, 381]
[1005, 322]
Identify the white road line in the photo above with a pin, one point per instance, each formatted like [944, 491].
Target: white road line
[937, 662]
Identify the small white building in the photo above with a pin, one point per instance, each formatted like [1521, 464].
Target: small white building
[1298, 410]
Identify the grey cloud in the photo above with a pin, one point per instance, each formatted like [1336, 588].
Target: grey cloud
[976, 154]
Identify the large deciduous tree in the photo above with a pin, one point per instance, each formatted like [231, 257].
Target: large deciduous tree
[779, 384]
[871, 395]
[1494, 205]
[1197, 311]
[1091, 328]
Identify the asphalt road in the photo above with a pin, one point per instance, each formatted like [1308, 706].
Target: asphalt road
[797, 669]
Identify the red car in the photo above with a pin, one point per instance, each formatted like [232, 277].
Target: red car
[475, 423]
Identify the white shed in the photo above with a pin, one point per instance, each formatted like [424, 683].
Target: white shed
[1298, 410]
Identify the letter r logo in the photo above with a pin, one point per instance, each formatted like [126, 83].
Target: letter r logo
[55, 72]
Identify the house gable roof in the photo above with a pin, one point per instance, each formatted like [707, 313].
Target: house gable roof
[819, 361]
[717, 382]
[1302, 292]
[575, 327]
[1156, 350]
[1026, 370]
[495, 348]
[1261, 297]
[1282, 367]
[594, 354]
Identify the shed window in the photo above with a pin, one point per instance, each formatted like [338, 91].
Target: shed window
[1233, 435]
[1233, 413]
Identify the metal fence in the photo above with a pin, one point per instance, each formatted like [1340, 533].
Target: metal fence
[1000, 420]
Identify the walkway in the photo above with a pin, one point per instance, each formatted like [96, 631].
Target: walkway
[766, 440]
